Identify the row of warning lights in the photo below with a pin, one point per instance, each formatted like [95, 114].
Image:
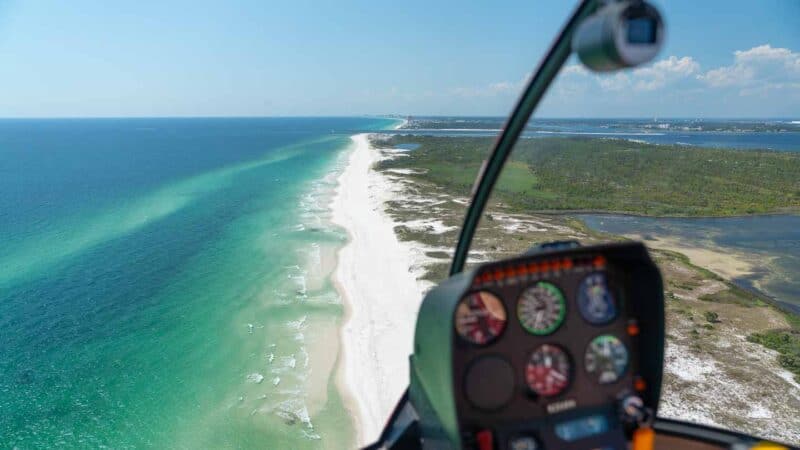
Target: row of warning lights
[556, 265]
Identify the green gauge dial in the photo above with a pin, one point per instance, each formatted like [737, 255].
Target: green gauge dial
[541, 308]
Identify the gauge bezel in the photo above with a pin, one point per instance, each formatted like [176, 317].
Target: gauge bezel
[561, 317]
[570, 375]
[615, 298]
[495, 338]
[593, 375]
[511, 392]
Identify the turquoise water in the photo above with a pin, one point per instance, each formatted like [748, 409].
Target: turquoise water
[164, 282]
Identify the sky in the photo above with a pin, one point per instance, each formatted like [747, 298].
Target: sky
[93, 58]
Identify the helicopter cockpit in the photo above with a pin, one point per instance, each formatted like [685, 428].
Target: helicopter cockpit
[561, 347]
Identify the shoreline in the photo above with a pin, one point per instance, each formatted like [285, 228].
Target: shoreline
[380, 294]
[599, 212]
[366, 389]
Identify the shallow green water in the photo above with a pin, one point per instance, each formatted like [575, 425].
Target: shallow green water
[165, 283]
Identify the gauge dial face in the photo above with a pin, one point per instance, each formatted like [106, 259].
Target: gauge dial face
[595, 300]
[480, 317]
[541, 308]
[548, 370]
[606, 358]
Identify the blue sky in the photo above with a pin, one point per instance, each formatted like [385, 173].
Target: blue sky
[198, 58]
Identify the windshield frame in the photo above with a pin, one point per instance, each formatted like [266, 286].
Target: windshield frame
[531, 96]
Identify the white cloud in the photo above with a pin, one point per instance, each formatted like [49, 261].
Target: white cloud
[505, 86]
[663, 72]
[758, 69]
[648, 78]
[617, 82]
[759, 72]
[492, 89]
[574, 69]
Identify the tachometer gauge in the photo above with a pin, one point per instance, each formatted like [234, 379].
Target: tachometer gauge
[480, 317]
[606, 358]
[541, 308]
[548, 370]
[595, 300]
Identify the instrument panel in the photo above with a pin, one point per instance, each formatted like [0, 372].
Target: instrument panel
[545, 349]
[560, 348]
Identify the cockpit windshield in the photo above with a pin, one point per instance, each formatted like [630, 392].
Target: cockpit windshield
[219, 222]
[689, 154]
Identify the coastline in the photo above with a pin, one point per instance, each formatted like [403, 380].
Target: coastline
[380, 294]
[697, 354]
[702, 358]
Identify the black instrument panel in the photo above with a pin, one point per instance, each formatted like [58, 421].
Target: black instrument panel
[546, 346]
[500, 357]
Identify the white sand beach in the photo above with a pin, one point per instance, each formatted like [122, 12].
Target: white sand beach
[381, 294]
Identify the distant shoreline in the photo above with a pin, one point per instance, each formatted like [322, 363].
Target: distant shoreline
[600, 212]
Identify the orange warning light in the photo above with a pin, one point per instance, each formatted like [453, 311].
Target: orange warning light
[599, 261]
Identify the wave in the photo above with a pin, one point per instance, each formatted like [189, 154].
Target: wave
[255, 377]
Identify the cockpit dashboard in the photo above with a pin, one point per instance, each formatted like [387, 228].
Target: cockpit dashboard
[551, 350]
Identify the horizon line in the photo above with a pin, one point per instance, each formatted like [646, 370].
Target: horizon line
[393, 116]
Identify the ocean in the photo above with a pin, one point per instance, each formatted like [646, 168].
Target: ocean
[165, 282]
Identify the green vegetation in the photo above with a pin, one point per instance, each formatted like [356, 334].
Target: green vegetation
[585, 174]
[734, 295]
[785, 342]
[495, 123]
[711, 317]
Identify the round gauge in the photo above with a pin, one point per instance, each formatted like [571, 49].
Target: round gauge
[523, 443]
[595, 301]
[541, 308]
[606, 358]
[548, 370]
[480, 317]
